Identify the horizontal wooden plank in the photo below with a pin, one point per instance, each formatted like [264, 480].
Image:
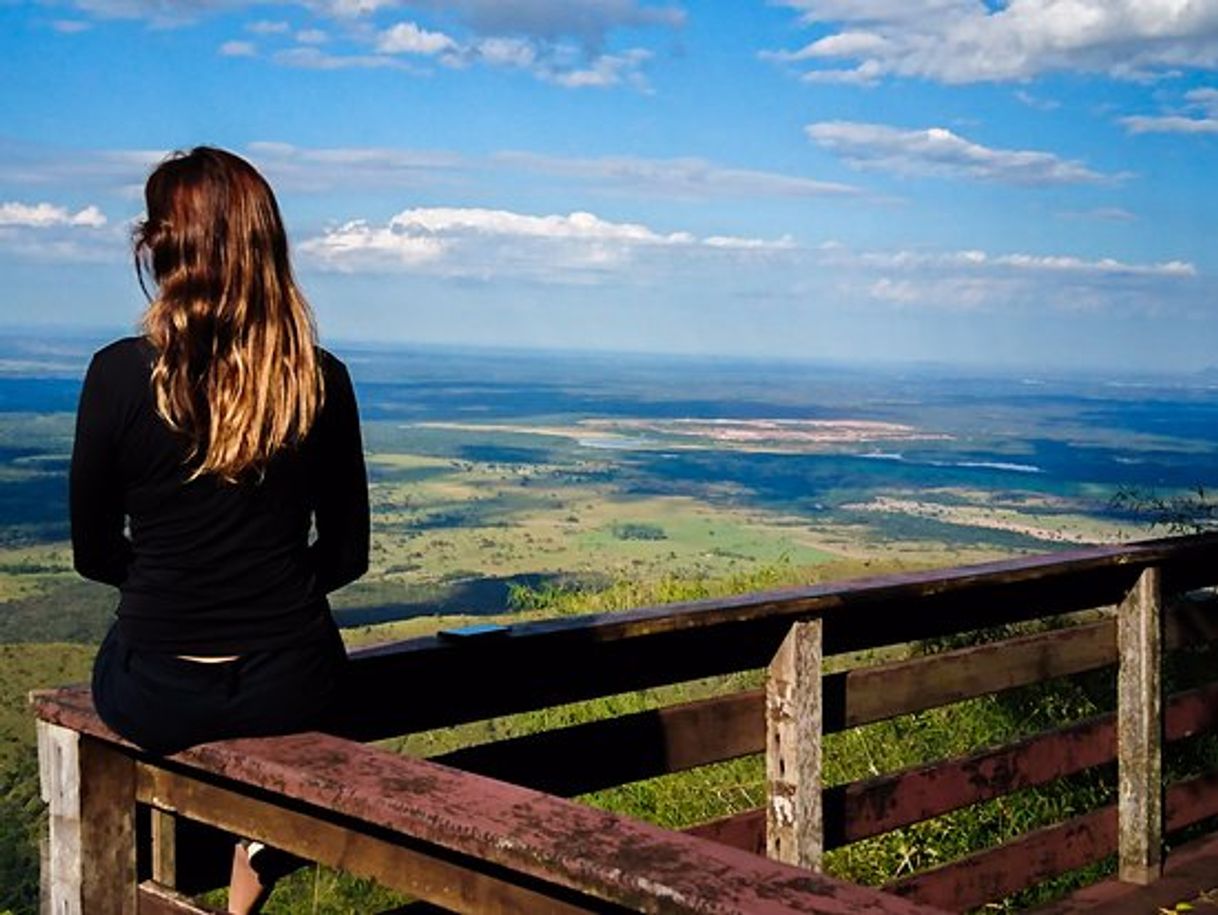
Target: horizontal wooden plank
[349, 803]
[873, 694]
[998, 872]
[744, 830]
[614, 751]
[1190, 801]
[550, 662]
[1190, 870]
[588, 757]
[155, 899]
[456, 882]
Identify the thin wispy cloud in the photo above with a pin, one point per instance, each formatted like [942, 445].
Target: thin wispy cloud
[308, 57]
[967, 41]
[686, 178]
[70, 26]
[979, 260]
[238, 49]
[1198, 115]
[317, 170]
[979, 281]
[303, 169]
[1100, 214]
[939, 152]
[268, 27]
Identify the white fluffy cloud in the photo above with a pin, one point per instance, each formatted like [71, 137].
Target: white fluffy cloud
[479, 242]
[940, 152]
[964, 41]
[556, 62]
[51, 233]
[46, 215]
[561, 42]
[409, 38]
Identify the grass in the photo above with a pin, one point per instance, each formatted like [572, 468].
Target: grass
[28, 667]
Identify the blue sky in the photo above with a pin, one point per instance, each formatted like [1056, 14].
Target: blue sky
[1020, 184]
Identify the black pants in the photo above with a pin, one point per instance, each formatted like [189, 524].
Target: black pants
[165, 703]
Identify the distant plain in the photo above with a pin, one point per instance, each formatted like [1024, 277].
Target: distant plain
[493, 470]
[508, 485]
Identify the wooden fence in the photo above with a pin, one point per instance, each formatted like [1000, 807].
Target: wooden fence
[484, 829]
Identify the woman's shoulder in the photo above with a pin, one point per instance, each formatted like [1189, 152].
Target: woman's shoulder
[133, 352]
[333, 370]
[125, 364]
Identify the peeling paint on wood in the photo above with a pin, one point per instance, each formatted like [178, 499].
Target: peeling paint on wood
[1140, 730]
[794, 824]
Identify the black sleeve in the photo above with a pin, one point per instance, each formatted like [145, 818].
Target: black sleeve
[339, 555]
[100, 549]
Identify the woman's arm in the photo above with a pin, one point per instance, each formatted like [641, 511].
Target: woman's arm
[340, 554]
[100, 549]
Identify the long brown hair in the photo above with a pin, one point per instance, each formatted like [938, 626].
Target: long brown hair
[236, 366]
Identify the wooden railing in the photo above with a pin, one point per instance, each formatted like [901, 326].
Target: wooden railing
[483, 829]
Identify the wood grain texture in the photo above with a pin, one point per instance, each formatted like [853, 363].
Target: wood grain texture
[997, 872]
[107, 828]
[794, 821]
[59, 778]
[1140, 730]
[500, 831]
[156, 899]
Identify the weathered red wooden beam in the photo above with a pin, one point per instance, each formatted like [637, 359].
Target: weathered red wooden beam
[155, 899]
[998, 872]
[368, 810]
[1190, 801]
[492, 825]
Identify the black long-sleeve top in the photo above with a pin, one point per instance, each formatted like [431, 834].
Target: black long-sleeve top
[204, 566]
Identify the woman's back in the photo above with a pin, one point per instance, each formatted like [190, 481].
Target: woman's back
[209, 566]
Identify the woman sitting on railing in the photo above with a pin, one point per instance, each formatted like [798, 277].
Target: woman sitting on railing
[205, 450]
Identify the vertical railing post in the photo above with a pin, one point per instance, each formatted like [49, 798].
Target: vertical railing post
[1140, 730]
[165, 848]
[59, 779]
[90, 789]
[794, 821]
